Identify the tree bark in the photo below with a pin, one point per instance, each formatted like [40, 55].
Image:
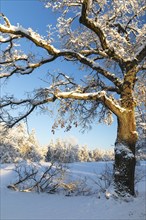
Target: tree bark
[124, 166]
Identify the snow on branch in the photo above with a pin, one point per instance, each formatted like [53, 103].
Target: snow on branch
[7, 22]
[29, 34]
[39, 41]
[96, 96]
[88, 22]
[47, 95]
[27, 69]
[93, 65]
[65, 53]
[30, 106]
[97, 29]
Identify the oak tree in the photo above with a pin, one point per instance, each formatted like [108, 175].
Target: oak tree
[106, 39]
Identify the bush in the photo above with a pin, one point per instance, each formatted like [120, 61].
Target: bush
[37, 178]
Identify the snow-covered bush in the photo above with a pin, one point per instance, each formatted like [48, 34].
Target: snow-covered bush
[104, 179]
[50, 178]
[38, 178]
[77, 187]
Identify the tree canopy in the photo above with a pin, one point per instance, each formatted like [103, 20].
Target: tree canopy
[106, 39]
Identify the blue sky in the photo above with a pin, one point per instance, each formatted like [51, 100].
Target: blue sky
[32, 13]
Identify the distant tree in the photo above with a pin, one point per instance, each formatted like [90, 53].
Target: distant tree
[17, 144]
[107, 40]
[83, 154]
[103, 155]
[9, 150]
[34, 151]
[91, 156]
[49, 151]
[8, 153]
[108, 155]
[97, 154]
[62, 151]
[66, 152]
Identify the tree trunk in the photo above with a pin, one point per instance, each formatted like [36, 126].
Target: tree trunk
[124, 166]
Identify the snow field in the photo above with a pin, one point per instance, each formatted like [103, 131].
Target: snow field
[22, 206]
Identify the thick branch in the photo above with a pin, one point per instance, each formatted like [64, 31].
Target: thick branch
[91, 25]
[89, 62]
[32, 36]
[32, 103]
[95, 27]
[29, 34]
[96, 96]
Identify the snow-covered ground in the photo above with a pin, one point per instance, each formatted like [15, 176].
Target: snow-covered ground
[19, 205]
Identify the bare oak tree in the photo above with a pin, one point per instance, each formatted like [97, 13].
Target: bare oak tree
[107, 40]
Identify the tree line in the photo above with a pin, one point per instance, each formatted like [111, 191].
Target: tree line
[17, 144]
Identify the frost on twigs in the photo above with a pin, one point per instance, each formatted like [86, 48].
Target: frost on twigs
[78, 187]
[119, 25]
[104, 181]
[34, 177]
[48, 178]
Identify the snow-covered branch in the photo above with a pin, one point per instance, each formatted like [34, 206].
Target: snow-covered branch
[109, 44]
[93, 65]
[23, 70]
[39, 41]
[31, 35]
[33, 103]
[90, 24]
[97, 29]
[96, 96]
[30, 104]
